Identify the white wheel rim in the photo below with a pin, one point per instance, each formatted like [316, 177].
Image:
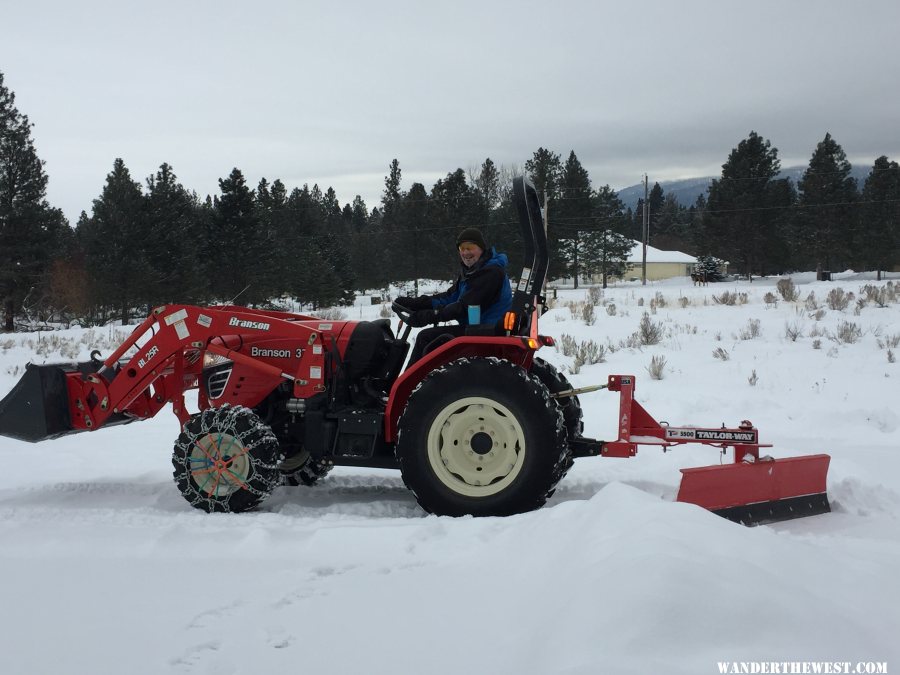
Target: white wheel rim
[476, 446]
[219, 464]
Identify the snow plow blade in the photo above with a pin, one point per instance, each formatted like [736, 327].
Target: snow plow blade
[37, 407]
[766, 491]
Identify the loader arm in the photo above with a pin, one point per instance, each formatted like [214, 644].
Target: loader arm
[169, 347]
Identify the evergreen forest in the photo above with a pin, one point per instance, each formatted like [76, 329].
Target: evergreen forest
[155, 241]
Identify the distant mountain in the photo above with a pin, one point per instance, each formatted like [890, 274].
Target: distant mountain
[688, 189]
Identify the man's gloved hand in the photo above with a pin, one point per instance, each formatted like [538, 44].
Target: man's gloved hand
[413, 303]
[422, 317]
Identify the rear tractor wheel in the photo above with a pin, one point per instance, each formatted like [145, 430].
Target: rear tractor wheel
[226, 460]
[481, 436]
[570, 406]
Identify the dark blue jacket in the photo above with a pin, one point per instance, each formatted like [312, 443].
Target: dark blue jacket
[485, 284]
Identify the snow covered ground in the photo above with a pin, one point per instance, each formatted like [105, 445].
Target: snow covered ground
[104, 568]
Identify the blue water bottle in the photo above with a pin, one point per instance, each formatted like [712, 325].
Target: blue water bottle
[474, 315]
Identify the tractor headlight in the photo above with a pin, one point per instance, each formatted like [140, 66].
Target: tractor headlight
[210, 360]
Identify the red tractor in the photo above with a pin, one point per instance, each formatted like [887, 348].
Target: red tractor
[478, 426]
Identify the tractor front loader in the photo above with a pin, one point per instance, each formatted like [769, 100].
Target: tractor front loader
[480, 425]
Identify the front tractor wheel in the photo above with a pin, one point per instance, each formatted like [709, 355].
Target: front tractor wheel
[226, 459]
[481, 437]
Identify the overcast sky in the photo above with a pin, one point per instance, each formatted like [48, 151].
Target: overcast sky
[331, 92]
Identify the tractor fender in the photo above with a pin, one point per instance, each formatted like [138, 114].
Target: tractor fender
[515, 349]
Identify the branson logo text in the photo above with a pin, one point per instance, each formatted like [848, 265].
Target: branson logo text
[241, 323]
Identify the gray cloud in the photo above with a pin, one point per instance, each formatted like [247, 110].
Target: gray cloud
[332, 92]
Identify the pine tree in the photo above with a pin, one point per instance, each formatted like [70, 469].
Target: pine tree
[743, 207]
[240, 248]
[656, 199]
[173, 237]
[608, 247]
[113, 242]
[415, 231]
[545, 169]
[488, 183]
[571, 218]
[827, 196]
[31, 232]
[879, 228]
[392, 193]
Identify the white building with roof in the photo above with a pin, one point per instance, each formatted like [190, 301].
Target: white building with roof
[660, 264]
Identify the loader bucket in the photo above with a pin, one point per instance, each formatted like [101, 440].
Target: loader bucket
[766, 491]
[37, 408]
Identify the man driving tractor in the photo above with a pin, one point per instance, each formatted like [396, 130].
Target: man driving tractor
[482, 283]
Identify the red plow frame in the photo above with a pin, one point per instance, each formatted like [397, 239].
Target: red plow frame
[751, 489]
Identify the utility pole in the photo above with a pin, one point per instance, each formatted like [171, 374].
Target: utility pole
[646, 232]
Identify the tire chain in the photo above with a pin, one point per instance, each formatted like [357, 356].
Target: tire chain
[211, 422]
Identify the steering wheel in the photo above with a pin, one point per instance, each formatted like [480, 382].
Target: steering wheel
[403, 314]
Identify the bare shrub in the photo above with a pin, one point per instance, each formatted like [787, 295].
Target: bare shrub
[649, 333]
[816, 331]
[788, 290]
[750, 331]
[595, 295]
[770, 300]
[660, 299]
[877, 295]
[684, 302]
[385, 311]
[330, 314]
[588, 315]
[889, 341]
[611, 309]
[818, 314]
[890, 356]
[811, 303]
[574, 308]
[817, 344]
[721, 354]
[590, 352]
[837, 299]
[567, 344]
[753, 379]
[730, 298]
[847, 333]
[792, 331]
[726, 298]
[657, 367]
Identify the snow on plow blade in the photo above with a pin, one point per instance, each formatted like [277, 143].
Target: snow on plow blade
[765, 491]
[37, 407]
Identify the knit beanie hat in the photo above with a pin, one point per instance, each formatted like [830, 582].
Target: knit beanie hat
[472, 235]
